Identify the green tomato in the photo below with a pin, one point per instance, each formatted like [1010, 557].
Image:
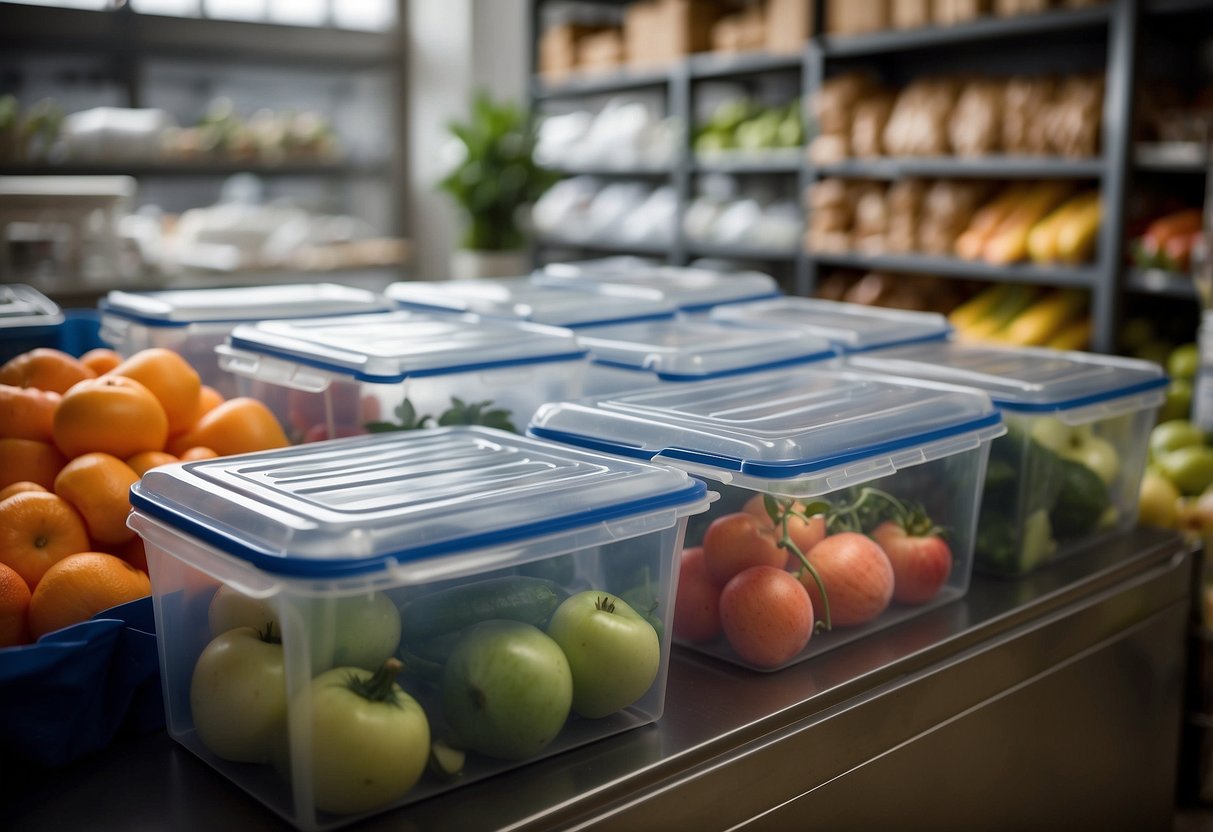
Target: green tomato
[506, 689]
[614, 654]
[238, 695]
[370, 741]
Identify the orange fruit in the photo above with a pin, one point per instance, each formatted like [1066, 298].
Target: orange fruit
[237, 426]
[27, 412]
[133, 553]
[18, 488]
[98, 486]
[29, 460]
[144, 461]
[208, 399]
[101, 360]
[112, 414]
[197, 452]
[38, 529]
[80, 586]
[14, 608]
[44, 368]
[170, 378]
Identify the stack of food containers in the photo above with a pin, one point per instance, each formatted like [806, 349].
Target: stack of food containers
[28, 319]
[674, 351]
[810, 462]
[522, 299]
[345, 375]
[192, 322]
[335, 617]
[1069, 469]
[852, 327]
[692, 291]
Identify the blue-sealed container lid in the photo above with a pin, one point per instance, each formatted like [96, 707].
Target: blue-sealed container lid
[852, 327]
[520, 298]
[365, 505]
[692, 350]
[25, 306]
[690, 290]
[1030, 379]
[799, 433]
[182, 307]
[390, 347]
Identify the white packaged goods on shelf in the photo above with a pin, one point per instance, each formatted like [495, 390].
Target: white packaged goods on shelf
[852, 327]
[693, 291]
[400, 370]
[193, 322]
[461, 564]
[520, 298]
[630, 355]
[1069, 470]
[813, 460]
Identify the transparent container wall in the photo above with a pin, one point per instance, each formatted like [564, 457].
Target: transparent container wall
[194, 342]
[504, 398]
[946, 488]
[1052, 488]
[605, 380]
[200, 594]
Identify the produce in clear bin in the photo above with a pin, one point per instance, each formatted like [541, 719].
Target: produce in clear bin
[370, 741]
[843, 576]
[506, 690]
[613, 652]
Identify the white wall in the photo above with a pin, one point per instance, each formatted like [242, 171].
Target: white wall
[454, 47]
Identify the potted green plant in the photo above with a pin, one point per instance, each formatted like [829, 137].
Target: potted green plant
[494, 182]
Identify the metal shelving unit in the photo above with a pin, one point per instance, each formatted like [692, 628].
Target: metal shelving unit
[197, 169]
[1114, 24]
[1158, 282]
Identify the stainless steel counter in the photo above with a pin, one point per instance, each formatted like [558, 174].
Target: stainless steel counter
[1052, 702]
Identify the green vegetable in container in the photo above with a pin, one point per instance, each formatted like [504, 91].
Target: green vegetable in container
[1081, 500]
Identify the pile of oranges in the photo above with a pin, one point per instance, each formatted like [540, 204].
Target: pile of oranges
[75, 434]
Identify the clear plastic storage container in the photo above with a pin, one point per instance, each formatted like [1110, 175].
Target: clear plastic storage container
[28, 319]
[852, 327]
[641, 354]
[811, 462]
[192, 322]
[524, 588]
[692, 291]
[341, 376]
[522, 299]
[1069, 469]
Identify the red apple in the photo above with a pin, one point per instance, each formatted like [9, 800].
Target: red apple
[804, 533]
[921, 563]
[697, 604]
[766, 615]
[857, 576]
[738, 541]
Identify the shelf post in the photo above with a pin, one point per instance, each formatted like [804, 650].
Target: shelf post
[678, 106]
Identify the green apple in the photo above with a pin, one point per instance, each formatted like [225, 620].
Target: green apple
[1081, 444]
[1178, 402]
[238, 695]
[1189, 468]
[1158, 503]
[1184, 362]
[1173, 435]
[506, 689]
[1052, 433]
[613, 653]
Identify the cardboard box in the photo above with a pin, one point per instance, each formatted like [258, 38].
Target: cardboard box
[947, 12]
[601, 50]
[558, 48]
[740, 31]
[856, 17]
[789, 25]
[662, 31]
[910, 14]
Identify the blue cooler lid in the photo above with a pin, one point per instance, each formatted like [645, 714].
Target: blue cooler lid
[799, 433]
[1030, 379]
[182, 307]
[25, 306]
[392, 346]
[520, 298]
[370, 504]
[691, 290]
[852, 327]
[693, 350]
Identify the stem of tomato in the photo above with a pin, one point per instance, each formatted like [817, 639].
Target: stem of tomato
[381, 686]
[786, 542]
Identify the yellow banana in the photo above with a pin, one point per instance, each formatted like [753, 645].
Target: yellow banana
[1077, 234]
[1075, 335]
[1014, 302]
[1009, 242]
[977, 307]
[1037, 324]
[1042, 239]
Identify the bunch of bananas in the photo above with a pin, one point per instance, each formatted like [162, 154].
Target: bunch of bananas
[1046, 222]
[1013, 313]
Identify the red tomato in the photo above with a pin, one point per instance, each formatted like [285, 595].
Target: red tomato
[766, 615]
[921, 564]
[697, 605]
[735, 542]
[804, 533]
[857, 576]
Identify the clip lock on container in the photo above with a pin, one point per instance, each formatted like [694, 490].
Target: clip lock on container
[289, 587]
[852, 327]
[28, 319]
[1069, 469]
[642, 354]
[522, 299]
[329, 377]
[801, 453]
[193, 322]
[692, 291]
